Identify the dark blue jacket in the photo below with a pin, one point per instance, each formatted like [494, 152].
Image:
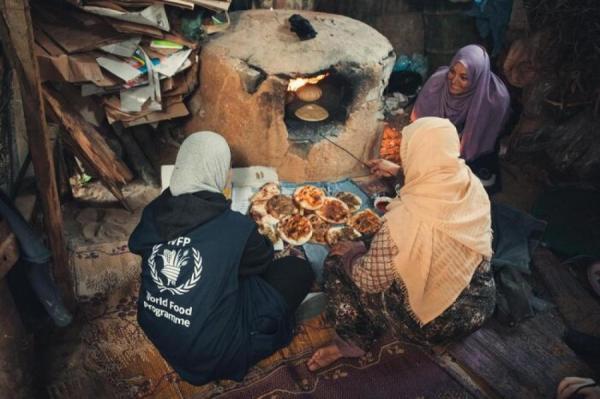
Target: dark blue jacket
[206, 320]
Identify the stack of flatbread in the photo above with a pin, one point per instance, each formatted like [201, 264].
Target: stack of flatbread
[310, 215]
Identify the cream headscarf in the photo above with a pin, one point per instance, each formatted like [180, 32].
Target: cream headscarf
[441, 209]
[202, 164]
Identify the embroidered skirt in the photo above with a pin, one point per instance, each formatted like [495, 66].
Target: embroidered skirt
[362, 318]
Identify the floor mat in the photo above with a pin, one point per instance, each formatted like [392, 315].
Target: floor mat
[391, 370]
[104, 354]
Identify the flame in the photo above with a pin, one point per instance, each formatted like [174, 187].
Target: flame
[297, 83]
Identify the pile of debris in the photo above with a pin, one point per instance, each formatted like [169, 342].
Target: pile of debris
[119, 63]
[135, 60]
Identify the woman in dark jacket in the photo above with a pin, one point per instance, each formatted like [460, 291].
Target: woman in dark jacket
[212, 299]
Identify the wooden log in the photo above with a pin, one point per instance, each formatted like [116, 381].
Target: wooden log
[137, 159]
[17, 41]
[88, 142]
[89, 145]
[146, 139]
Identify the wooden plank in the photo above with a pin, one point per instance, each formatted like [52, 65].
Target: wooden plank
[526, 361]
[471, 382]
[17, 41]
[147, 141]
[580, 310]
[89, 145]
[138, 160]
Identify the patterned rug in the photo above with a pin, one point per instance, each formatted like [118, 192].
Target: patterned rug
[104, 354]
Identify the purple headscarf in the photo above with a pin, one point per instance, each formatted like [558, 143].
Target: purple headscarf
[482, 109]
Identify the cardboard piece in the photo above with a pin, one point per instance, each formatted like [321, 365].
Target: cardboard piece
[83, 32]
[101, 47]
[125, 48]
[154, 15]
[187, 4]
[173, 107]
[216, 5]
[132, 100]
[136, 29]
[171, 111]
[172, 64]
[65, 68]
[119, 68]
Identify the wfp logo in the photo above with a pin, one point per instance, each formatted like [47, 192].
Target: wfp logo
[173, 261]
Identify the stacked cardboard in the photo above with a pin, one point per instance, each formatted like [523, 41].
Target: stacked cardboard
[129, 54]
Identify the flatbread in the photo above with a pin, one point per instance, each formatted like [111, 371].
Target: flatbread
[295, 230]
[280, 206]
[366, 222]
[266, 192]
[320, 228]
[312, 113]
[308, 93]
[352, 200]
[334, 211]
[258, 212]
[341, 233]
[309, 197]
[269, 232]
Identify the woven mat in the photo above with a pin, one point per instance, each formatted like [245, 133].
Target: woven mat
[104, 354]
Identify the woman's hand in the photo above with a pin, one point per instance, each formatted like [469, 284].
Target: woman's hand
[343, 247]
[383, 168]
[569, 385]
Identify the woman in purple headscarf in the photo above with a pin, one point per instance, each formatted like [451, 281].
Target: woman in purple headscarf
[471, 96]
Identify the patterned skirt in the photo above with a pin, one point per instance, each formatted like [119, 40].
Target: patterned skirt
[363, 318]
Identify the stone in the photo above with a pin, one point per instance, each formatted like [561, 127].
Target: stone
[244, 75]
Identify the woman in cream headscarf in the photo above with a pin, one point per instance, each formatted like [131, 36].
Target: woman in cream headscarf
[426, 275]
[212, 298]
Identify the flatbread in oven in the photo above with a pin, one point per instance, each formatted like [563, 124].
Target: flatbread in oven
[341, 233]
[366, 222]
[309, 93]
[309, 197]
[280, 206]
[320, 228]
[352, 200]
[312, 113]
[334, 211]
[295, 230]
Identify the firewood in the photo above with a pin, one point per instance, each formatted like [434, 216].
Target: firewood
[138, 160]
[89, 145]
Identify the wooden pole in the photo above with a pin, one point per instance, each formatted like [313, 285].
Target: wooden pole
[17, 40]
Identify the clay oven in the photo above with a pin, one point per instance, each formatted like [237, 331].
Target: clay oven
[279, 100]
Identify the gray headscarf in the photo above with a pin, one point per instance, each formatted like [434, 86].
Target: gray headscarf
[202, 164]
